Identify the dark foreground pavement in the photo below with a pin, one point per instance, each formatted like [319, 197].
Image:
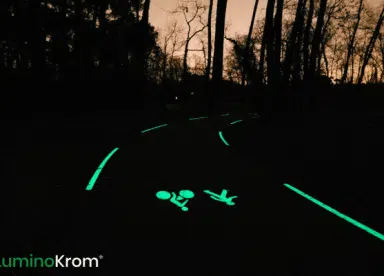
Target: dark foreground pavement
[47, 211]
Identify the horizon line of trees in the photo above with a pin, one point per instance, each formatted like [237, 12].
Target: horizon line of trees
[294, 41]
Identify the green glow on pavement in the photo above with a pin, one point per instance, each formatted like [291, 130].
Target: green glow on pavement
[175, 199]
[337, 213]
[198, 118]
[98, 171]
[235, 122]
[222, 138]
[149, 129]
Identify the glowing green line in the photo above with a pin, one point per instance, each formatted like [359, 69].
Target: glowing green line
[98, 171]
[235, 122]
[222, 138]
[191, 119]
[225, 114]
[337, 213]
[154, 128]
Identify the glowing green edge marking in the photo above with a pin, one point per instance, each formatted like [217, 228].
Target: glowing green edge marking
[154, 128]
[191, 119]
[225, 114]
[222, 138]
[235, 122]
[337, 213]
[98, 171]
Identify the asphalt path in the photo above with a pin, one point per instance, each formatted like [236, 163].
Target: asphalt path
[48, 210]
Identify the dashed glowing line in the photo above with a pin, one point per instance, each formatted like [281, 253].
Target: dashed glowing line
[235, 122]
[222, 138]
[98, 171]
[337, 213]
[198, 118]
[225, 114]
[154, 128]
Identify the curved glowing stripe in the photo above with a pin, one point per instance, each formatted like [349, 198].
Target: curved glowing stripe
[235, 122]
[337, 213]
[222, 138]
[225, 114]
[98, 171]
[154, 128]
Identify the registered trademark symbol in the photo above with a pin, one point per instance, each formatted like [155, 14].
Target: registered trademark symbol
[101, 257]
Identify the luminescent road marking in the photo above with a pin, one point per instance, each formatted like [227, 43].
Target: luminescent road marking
[183, 194]
[235, 122]
[154, 128]
[225, 114]
[98, 171]
[222, 138]
[198, 118]
[337, 213]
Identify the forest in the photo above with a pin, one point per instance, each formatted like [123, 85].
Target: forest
[105, 54]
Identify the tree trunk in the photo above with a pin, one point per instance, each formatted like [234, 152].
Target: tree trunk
[368, 52]
[297, 47]
[269, 37]
[306, 35]
[217, 70]
[262, 56]
[209, 59]
[145, 18]
[353, 65]
[217, 73]
[248, 43]
[289, 55]
[276, 68]
[317, 39]
[352, 42]
[325, 58]
[164, 65]
[142, 51]
[185, 58]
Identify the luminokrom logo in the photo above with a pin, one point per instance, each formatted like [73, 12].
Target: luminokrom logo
[55, 262]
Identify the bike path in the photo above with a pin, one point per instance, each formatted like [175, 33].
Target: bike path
[121, 215]
[268, 221]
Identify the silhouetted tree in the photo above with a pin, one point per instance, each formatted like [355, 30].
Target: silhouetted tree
[317, 40]
[191, 11]
[372, 41]
[248, 43]
[209, 26]
[293, 44]
[352, 42]
[218, 57]
[217, 73]
[306, 42]
[269, 38]
[277, 28]
[145, 18]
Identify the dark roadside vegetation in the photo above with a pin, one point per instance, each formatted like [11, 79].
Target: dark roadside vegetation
[78, 81]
